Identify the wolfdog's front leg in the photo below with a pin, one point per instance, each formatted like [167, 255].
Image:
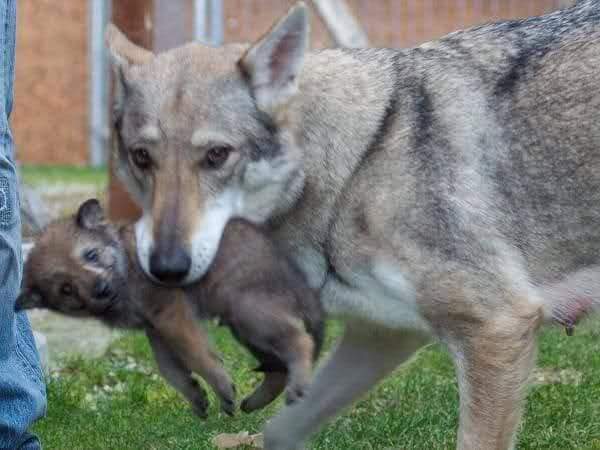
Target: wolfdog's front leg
[493, 365]
[363, 357]
[177, 374]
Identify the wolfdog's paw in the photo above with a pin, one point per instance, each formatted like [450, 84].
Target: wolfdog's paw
[295, 392]
[277, 437]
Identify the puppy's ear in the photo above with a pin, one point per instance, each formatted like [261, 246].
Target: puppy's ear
[29, 299]
[272, 65]
[90, 215]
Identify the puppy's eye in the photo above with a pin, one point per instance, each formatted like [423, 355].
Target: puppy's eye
[141, 158]
[91, 255]
[66, 289]
[216, 156]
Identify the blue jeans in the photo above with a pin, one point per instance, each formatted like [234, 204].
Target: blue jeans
[22, 389]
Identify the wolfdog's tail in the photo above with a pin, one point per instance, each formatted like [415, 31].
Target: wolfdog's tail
[568, 301]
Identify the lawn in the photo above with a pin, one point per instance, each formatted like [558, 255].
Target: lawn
[53, 175]
[119, 402]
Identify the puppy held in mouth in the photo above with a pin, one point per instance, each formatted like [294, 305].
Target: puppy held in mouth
[85, 266]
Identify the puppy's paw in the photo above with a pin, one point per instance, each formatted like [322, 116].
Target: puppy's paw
[228, 400]
[246, 405]
[200, 408]
[249, 404]
[199, 401]
[228, 406]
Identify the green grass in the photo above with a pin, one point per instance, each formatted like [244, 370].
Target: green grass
[416, 408]
[52, 175]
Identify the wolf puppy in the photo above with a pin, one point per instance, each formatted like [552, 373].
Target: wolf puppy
[87, 267]
[449, 191]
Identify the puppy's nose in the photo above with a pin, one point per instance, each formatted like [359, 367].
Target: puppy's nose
[102, 289]
[170, 267]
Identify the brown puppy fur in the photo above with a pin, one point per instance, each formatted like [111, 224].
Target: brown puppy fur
[86, 267]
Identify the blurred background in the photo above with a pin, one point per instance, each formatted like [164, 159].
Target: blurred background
[61, 104]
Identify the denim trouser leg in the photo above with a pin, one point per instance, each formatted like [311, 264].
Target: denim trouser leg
[22, 389]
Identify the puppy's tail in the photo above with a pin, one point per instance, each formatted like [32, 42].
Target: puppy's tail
[571, 299]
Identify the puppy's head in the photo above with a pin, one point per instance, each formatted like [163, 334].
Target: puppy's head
[77, 267]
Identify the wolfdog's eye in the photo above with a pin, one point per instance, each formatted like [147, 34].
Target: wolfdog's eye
[66, 289]
[141, 158]
[91, 255]
[216, 156]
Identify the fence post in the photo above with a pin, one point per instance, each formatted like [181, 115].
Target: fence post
[99, 133]
[341, 23]
[134, 18]
[208, 21]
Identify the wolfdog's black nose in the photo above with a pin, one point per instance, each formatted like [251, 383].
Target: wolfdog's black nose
[170, 267]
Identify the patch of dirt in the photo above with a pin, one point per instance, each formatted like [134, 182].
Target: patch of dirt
[67, 336]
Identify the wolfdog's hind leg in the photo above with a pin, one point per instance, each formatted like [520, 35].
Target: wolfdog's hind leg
[493, 365]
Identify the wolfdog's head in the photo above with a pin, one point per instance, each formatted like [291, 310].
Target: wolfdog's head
[205, 135]
[77, 267]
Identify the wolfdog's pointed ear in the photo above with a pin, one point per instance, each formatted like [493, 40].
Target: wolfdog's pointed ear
[272, 65]
[28, 299]
[124, 54]
[90, 214]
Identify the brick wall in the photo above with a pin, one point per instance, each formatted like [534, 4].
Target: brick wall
[50, 113]
[50, 117]
[389, 23]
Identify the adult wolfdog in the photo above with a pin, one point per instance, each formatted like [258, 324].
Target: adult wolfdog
[447, 191]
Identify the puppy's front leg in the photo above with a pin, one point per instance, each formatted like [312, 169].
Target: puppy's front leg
[177, 374]
[178, 326]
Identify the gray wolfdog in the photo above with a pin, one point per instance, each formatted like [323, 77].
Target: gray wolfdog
[447, 191]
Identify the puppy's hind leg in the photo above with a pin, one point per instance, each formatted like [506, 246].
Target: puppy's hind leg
[179, 376]
[266, 392]
[297, 351]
